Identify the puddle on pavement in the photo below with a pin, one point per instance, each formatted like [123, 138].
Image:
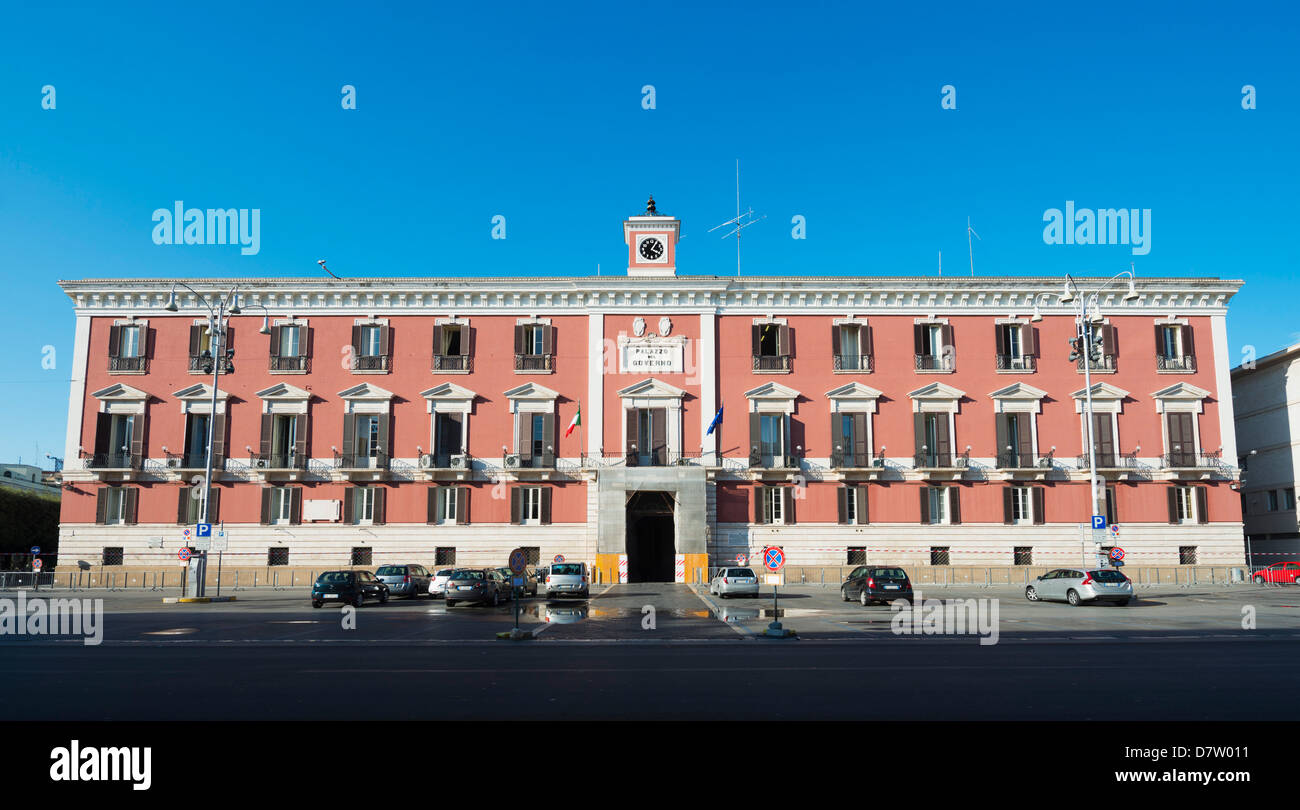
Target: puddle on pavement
[174, 631]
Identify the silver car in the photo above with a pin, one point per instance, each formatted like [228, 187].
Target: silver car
[1105, 585]
[567, 579]
[438, 582]
[734, 582]
[405, 580]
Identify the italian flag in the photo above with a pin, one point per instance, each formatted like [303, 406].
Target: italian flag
[577, 420]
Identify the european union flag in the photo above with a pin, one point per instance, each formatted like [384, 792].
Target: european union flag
[717, 418]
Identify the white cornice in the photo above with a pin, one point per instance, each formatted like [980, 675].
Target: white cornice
[754, 295]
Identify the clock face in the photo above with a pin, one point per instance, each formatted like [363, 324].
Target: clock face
[651, 249]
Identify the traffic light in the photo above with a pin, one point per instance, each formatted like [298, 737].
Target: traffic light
[1076, 348]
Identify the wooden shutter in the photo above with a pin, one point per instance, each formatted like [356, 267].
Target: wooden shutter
[462, 504]
[214, 506]
[1202, 504]
[349, 505]
[944, 449]
[1029, 340]
[349, 435]
[1171, 498]
[304, 345]
[1025, 439]
[137, 441]
[841, 507]
[864, 341]
[264, 442]
[295, 505]
[918, 425]
[103, 429]
[438, 341]
[196, 340]
[218, 441]
[1160, 341]
[946, 347]
[381, 501]
[925, 504]
[860, 492]
[114, 341]
[101, 505]
[432, 506]
[385, 452]
[275, 340]
[1039, 494]
[1000, 338]
[860, 448]
[659, 434]
[546, 505]
[755, 435]
[516, 513]
[629, 448]
[756, 339]
[1189, 348]
[266, 505]
[182, 505]
[918, 338]
[131, 504]
[466, 335]
[356, 342]
[1008, 505]
[548, 339]
[303, 421]
[548, 440]
[787, 505]
[783, 340]
[1002, 429]
[954, 504]
[1103, 436]
[835, 341]
[1109, 345]
[385, 337]
[760, 512]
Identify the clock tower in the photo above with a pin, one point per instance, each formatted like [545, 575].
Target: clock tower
[651, 243]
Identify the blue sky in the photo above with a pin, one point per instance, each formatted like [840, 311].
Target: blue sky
[533, 112]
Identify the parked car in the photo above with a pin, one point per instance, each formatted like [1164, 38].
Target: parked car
[438, 582]
[408, 580]
[734, 582]
[529, 587]
[485, 586]
[1278, 572]
[1105, 585]
[567, 579]
[876, 583]
[539, 577]
[349, 587]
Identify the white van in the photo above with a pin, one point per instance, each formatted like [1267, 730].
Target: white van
[568, 579]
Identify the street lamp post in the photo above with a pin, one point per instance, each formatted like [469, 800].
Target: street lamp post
[1085, 348]
[218, 322]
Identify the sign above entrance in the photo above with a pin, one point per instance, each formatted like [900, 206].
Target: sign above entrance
[651, 355]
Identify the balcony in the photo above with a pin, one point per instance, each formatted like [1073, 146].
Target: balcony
[761, 460]
[1189, 460]
[1183, 363]
[278, 461]
[1014, 362]
[518, 463]
[187, 461]
[534, 362]
[128, 365]
[1105, 364]
[200, 364]
[1109, 461]
[772, 362]
[933, 362]
[847, 459]
[361, 461]
[111, 461]
[940, 461]
[852, 362]
[459, 362]
[299, 364]
[671, 458]
[370, 362]
[1021, 461]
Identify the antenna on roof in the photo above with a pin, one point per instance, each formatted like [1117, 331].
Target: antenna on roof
[941, 262]
[970, 245]
[740, 222]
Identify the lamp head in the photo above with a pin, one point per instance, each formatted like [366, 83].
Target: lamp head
[1066, 296]
[266, 326]
[1132, 294]
[171, 302]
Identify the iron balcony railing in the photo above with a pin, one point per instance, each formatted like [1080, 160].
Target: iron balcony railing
[187, 461]
[537, 461]
[940, 461]
[112, 461]
[361, 461]
[447, 461]
[771, 362]
[1188, 459]
[453, 362]
[534, 362]
[1105, 362]
[669, 459]
[199, 363]
[1018, 461]
[298, 362]
[851, 459]
[852, 362]
[1109, 461]
[278, 461]
[933, 362]
[771, 461]
[140, 363]
[1014, 362]
[370, 362]
[1184, 362]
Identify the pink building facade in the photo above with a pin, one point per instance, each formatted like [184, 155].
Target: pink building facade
[924, 421]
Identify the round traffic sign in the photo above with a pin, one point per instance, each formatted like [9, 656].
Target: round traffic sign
[36, 550]
[1114, 529]
[559, 558]
[518, 561]
[773, 558]
[183, 554]
[741, 559]
[36, 564]
[1117, 553]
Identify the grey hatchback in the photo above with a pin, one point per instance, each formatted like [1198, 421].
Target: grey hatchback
[1105, 585]
[405, 580]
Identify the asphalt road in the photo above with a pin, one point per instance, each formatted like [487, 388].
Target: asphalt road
[1175, 654]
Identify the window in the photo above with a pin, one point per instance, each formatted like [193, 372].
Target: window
[281, 504]
[289, 348]
[444, 555]
[534, 337]
[1174, 351]
[131, 342]
[1188, 504]
[857, 556]
[938, 504]
[852, 505]
[445, 503]
[451, 347]
[1288, 499]
[368, 435]
[939, 555]
[531, 505]
[1187, 555]
[532, 554]
[363, 506]
[933, 347]
[283, 441]
[1112, 516]
[537, 435]
[851, 346]
[277, 555]
[196, 440]
[770, 345]
[115, 511]
[1015, 437]
[114, 436]
[1023, 555]
[1015, 346]
[771, 435]
[112, 555]
[1169, 345]
[1180, 429]
[534, 347]
[1272, 499]
[289, 341]
[773, 505]
[361, 555]
[369, 344]
[1021, 505]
